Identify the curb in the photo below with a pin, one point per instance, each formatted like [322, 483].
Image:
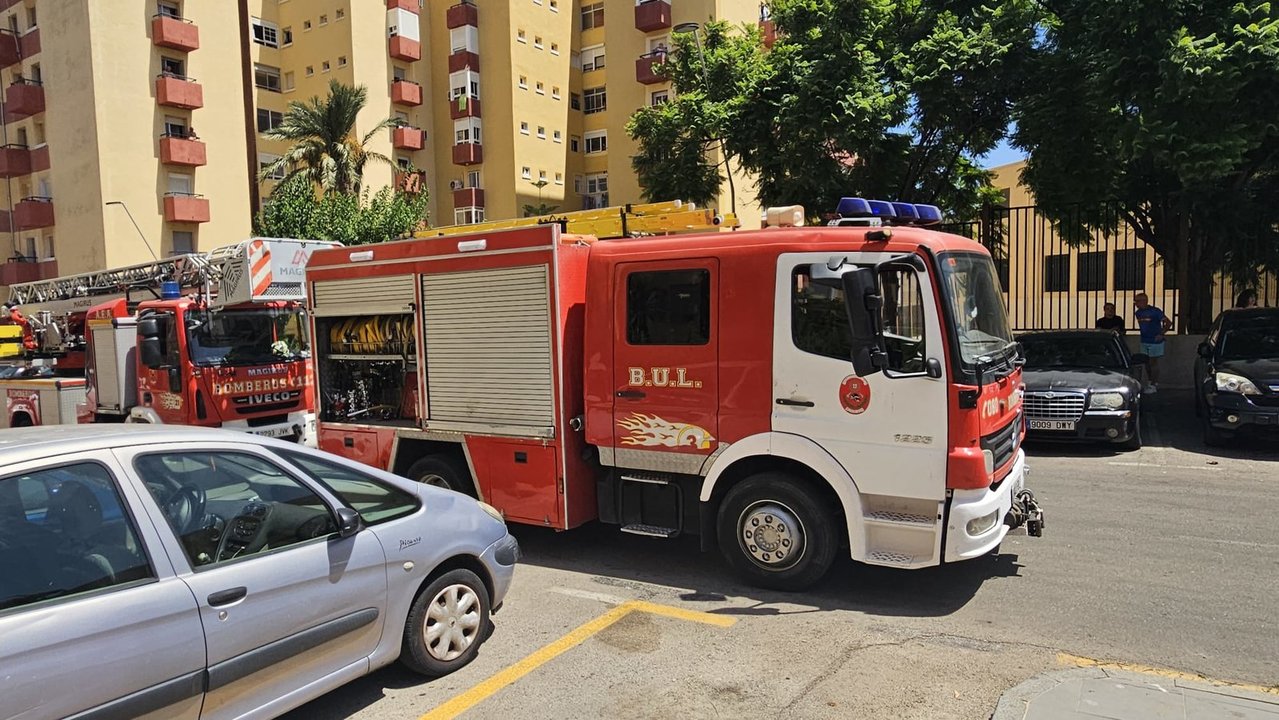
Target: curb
[1014, 703]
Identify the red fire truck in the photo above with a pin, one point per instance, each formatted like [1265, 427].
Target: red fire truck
[216, 339]
[789, 393]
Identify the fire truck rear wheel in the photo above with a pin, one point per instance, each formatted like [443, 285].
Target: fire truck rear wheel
[443, 472]
[776, 533]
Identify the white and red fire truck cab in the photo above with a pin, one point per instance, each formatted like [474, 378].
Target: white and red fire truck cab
[790, 394]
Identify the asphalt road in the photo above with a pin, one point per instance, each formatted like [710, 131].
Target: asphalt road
[1164, 557]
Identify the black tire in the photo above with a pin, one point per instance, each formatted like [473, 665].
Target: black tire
[442, 471]
[761, 502]
[444, 655]
[1214, 437]
[1199, 404]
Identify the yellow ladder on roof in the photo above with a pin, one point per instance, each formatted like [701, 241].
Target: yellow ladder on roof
[620, 221]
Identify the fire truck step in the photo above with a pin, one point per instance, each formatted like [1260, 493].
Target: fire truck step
[650, 530]
[889, 517]
[887, 557]
[646, 478]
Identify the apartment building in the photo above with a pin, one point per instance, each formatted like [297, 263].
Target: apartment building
[134, 128]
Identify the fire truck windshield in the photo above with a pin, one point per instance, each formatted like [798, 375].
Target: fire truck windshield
[246, 337]
[977, 304]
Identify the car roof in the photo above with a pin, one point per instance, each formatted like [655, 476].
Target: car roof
[1245, 314]
[32, 443]
[1052, 334]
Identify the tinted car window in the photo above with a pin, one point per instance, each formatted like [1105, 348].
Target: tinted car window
[375, 500]
[1250, 339]
[225, 505]
[1072, 352]
[64, 531]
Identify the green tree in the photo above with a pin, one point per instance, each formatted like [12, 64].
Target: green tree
[870, 97]
[325, 147]
[1169, 109]
[295, 211]
[541, 208]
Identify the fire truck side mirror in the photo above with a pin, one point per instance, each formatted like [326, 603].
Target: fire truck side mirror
[149, 328]
[864, 301]
[150, 352]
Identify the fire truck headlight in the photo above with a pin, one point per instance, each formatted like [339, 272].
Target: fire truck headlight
[989, 457]
[979, 526]
[1106, 401]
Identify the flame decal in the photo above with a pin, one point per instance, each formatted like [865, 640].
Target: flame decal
[653, 431]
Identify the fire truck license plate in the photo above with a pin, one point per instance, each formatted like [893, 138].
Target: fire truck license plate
[274, 432]
[1051, 424]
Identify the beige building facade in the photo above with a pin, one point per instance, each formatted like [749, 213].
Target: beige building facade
[133, 128]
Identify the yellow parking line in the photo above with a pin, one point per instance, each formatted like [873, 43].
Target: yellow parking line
[1079, 661]
[461, 703]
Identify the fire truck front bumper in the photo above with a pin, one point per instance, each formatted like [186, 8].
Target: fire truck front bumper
[298, 427]
[980, 519]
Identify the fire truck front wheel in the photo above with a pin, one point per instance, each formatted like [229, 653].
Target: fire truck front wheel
[442, 471]
[776, 532]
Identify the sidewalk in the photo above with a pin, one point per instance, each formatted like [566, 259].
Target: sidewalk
[1095, 692]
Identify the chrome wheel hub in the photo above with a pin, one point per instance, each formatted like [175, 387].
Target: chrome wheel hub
[771, 535]
[435, 481]
[452, 622]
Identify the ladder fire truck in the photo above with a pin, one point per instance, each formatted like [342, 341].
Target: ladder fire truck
[789, 394]
[216, 339]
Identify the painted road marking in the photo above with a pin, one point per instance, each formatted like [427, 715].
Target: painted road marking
[486, 688]
[589, 595]
[1166, 467]
[1080, 661]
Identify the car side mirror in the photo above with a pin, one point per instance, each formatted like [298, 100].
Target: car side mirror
[864, 301]
[1205, 351]
[1140, 358]
[151, 353]
[349, 522]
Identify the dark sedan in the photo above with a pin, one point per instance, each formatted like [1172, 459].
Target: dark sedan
[1237, 375]
[1081, 385]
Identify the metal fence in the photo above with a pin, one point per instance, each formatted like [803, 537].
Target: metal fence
[1052, 284]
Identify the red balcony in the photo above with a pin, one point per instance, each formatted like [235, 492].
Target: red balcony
[24, 99]
[15, 161]
[33, 212]
[6, 221]
[468, 197]
[407, 138]
[179, 150]
[21, 271]
[769, 31]
[29, 44]
[403, 48]
[185, 208]
[176, 33]
[410, 181]
[468, 154]
[406, 92]
[463, 13]
[463, 60]
[8, 48]
[410, 5]
[652, 15]
[39, 158]
[646, 68]
[180, 92]
[464, 107]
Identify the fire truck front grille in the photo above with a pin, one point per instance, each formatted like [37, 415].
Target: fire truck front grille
[1054, 406]
[267, 419]
[1003, 442]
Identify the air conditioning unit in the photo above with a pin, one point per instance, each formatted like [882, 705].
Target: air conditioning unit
[455, 185]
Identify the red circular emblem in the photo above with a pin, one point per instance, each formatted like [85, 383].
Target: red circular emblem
[854, 395]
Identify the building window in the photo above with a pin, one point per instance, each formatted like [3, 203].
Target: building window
[180, 184]
[172, 67]
[596, 191]
[269, 120]
[578, 184]
[574, 143]
[464, 82]
[524, 128]
[575, 101]
[468, 215]
[166, 9]
[557, 137]
[523, 83]
[1130, 269]
[286, 37]
[668, 307]
[559, 178]
[399, 73]
[526, 173]
[324, 19]
[467, 131]
[465, 39]
[288, 82]
[31, 18]
[519, 36]
[541, 132]
[324, 66]
[593, 16]
[555, 6]
[555, 92]
[1091, 271]
[309, 71]
[593, 58]
[1057, 273]
[265, 160]
[306, 25]
[537, 41]
[173, 127]
[596, 100]
[473, 179]
[659, 97]
[596, 142]
[266, 33]
[48, 248]
[183, 242]
[541, 89]
[541, 175]
[266, 77]
[339, 13]
[341, 61]
[555, 48]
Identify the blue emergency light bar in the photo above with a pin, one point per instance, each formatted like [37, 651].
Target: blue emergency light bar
[890, 213]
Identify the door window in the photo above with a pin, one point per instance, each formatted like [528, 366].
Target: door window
[376, 501]
[668, 307]
[819, 317]
[224, 506]
[64, 531]
[903, 320]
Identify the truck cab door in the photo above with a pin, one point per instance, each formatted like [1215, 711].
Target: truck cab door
[156, 386]
[665, 364]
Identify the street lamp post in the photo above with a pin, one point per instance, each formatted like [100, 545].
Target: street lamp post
[694, 29]
[135, 226]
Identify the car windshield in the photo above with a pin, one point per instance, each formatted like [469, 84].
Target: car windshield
[1251, 340]
[246, 337]
[977, 303]
[1071, 351]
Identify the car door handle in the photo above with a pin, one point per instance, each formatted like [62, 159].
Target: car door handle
[796, 403]
[633, 394]
[228, 596]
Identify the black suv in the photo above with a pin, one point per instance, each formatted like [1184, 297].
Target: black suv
[1237, 375]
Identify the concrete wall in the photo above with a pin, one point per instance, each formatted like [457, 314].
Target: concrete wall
[1177, 366]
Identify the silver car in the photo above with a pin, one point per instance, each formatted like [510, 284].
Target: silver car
[190, 573]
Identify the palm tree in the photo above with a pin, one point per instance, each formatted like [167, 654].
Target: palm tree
[325, 148]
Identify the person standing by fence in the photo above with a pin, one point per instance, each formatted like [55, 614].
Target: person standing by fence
[1109, 320]
[1153, 324]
